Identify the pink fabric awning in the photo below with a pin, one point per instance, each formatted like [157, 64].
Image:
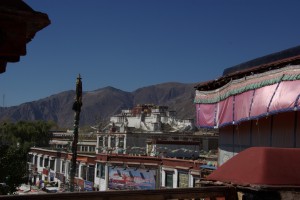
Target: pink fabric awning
[251, 97]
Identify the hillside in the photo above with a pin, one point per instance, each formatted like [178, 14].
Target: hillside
[100, 104]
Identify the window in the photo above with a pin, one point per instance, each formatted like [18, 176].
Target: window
[100, 170]
[92, 149]
[52, 164]
[105, 141]
[112, 142]
[46, 162]
[63, 166]
[196, 181]
[41, 161]
[91, 173]
[121, 142]
[83, 172]
[169, 179]
[102, 174]
[100, 141]
[35, 160]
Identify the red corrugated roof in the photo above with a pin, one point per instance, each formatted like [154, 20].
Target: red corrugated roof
[261, 166]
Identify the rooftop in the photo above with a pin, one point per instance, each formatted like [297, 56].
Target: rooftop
[264, 166]
[259, 65]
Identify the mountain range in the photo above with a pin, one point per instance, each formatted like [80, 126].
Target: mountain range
[99, 105]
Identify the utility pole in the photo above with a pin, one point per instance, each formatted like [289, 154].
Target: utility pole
[77, 108]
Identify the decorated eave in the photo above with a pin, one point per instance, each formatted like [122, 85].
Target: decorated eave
[256, 66]
[249, 92]
[18, 25]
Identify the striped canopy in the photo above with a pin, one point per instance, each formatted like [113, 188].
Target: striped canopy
[251, 97]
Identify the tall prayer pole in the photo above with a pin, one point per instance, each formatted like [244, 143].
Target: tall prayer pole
[77, 108]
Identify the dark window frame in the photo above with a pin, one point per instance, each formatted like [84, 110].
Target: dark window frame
[52, 163]
[100, 170]
[121, 142]
[41, 162]
[63, 169]
[169, 176]
[46, 162]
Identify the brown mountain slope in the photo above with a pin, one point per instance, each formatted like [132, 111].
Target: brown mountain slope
[100, 104]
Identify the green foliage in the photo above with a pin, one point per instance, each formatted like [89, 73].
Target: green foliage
[15, 142]
[12, 168]
[26, 133]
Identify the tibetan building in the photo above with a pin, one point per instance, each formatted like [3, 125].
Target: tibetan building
[254, 104]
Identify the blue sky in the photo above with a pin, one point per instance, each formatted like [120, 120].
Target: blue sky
[130, 44]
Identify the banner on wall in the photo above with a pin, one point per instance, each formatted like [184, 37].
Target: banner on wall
[88, 186]
[52, 175]
[183, 179]
[131, 179]
[45, 171]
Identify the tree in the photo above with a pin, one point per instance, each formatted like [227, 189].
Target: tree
[12, 168]
[15, 142]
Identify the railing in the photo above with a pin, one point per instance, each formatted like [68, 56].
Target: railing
[203, 193]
